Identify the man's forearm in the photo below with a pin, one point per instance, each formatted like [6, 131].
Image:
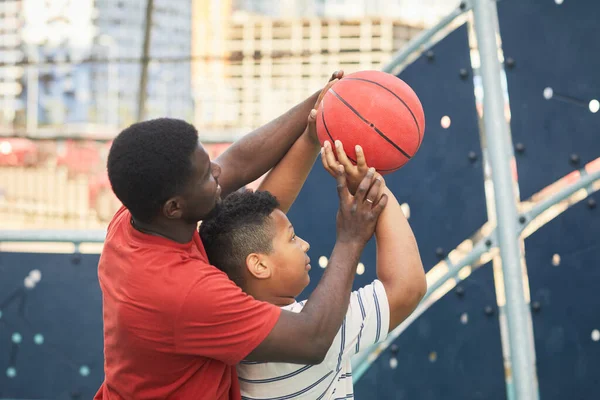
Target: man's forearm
[328, 303]
[256, 153]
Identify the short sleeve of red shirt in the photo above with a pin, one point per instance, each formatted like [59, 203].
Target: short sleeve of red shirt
[219, 321]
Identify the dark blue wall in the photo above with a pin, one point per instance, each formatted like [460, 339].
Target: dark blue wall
[65, 308]
[550, 45]
[439, 356]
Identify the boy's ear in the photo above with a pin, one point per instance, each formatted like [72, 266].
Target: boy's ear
[258, 266]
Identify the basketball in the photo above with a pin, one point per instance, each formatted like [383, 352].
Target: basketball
[377, 111]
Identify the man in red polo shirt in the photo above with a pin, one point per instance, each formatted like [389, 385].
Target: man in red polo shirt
[175, 326]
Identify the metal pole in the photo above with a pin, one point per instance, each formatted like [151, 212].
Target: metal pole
[32, 91]
[522, 351]
[145, 60]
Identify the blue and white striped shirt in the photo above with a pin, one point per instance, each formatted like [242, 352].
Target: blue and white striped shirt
[367, 321]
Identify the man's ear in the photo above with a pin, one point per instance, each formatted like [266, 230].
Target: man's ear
[258, 266]
[172, 208]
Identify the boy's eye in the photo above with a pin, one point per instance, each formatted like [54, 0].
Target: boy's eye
[294, 236]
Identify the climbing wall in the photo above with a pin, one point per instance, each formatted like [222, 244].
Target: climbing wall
[452, 351]
[554, 87]
[552, 69]
[50, 326]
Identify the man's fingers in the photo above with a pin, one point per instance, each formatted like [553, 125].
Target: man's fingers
[337, 74]
[341, 155]
[342, 186]
[312, 122]
[381, 187]
[364, 186]
[324, 92]
[374, 191]
[380, 205]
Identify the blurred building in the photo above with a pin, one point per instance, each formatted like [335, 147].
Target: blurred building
[89, 63]
[256, 59]
[120, 26]
[424, 12]
[32, 30]
[10, 53]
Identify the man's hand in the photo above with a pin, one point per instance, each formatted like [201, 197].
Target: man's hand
[354, 173]
[312, 128]
[357, 216]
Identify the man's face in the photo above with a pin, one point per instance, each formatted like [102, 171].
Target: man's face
[202, 192]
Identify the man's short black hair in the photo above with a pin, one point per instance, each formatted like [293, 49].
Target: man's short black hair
[239, 226]
[149, 162]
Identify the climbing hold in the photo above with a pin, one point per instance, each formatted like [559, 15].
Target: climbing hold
[509, 62]
[520, 148]
[439, 252]
[574, 159]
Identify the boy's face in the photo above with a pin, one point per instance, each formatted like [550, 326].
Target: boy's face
[288, 262]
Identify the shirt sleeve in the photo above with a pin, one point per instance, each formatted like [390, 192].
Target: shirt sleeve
[219, 321]
[367, 322]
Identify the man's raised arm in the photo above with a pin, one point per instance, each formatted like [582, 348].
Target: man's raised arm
[256, 153]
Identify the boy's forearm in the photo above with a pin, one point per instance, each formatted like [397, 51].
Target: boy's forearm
[287, 178]
[395, 241]
[399, 265]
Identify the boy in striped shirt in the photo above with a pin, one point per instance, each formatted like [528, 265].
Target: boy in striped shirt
[250, 238]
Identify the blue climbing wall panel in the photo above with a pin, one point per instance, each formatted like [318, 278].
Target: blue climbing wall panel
[552, 66]
[453, 351]
[562, 261]
[442, 184]
[51, 331]
[549, 45]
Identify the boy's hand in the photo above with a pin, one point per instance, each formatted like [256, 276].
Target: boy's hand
[354, 173]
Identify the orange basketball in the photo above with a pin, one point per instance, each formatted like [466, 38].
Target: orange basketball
[378, 111]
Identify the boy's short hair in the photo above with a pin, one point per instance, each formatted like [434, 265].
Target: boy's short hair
[239, 226]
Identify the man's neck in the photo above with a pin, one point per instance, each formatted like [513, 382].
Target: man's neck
[177, 231]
